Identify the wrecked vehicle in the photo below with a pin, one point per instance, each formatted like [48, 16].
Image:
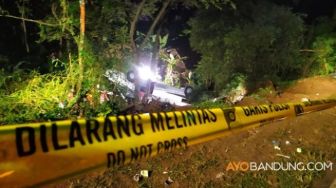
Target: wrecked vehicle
[150, 87]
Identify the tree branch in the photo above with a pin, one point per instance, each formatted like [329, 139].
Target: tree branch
[133, 24]
[30, 20]
[309, 50]
[22, 10]
[155, 22]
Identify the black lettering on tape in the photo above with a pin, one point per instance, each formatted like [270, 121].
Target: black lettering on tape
[54, 138]
[117, 158]
[169, 145]
[252, 112]
[280, 107]
[169, 121]
[255, 110]
[156, 122]
[75, 134]
[191, 117]
[108, 129]
[92, 127]
[264, 109]
[298, 109]
[213, 116]
[229, 115]
[159, 146]
[174, 142]
[166, 145]
[184, 119]
[205, 116]
[246, 111]
[19, 132]
[178, 125]
[43, 138]
[141, 152]
[137, 125]
[258, 110]
[185, 141]
[199, 116]
[123, 127]
[169, 126]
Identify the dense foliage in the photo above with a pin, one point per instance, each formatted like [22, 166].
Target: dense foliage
[66, 47]
[261, 41]
[322, 56]
[50, 68]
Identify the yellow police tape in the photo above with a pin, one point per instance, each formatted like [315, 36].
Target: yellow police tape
[39, 153]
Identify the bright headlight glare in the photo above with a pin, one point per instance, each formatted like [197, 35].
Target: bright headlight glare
[145, 73]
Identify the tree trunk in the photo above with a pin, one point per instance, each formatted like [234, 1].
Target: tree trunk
[133, 29]
[23, 24]
[81, 45]
[155, 22]
[25, 35]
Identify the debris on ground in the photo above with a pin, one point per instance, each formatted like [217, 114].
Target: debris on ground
[137, 177]
[226, 149]
[220, 175]
[169, 181]
[299, 150]
[281, 155]
[277, 148]
[305, 99]
[145, 173]
[276, 145]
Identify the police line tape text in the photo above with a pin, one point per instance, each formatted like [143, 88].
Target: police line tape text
[264, 109]
[145, 151]
[93, 131]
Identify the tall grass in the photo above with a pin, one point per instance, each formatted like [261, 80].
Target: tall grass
[31, 96]
[34, 99]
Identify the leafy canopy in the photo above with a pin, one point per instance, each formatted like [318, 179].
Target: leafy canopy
[261, 41]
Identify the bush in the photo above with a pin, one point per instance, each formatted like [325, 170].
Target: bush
[40, 98]
[259, 39]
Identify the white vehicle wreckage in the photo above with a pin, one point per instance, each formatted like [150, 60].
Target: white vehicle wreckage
[151, 86]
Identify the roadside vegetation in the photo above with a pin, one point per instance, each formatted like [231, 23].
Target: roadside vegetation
[259, 47]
